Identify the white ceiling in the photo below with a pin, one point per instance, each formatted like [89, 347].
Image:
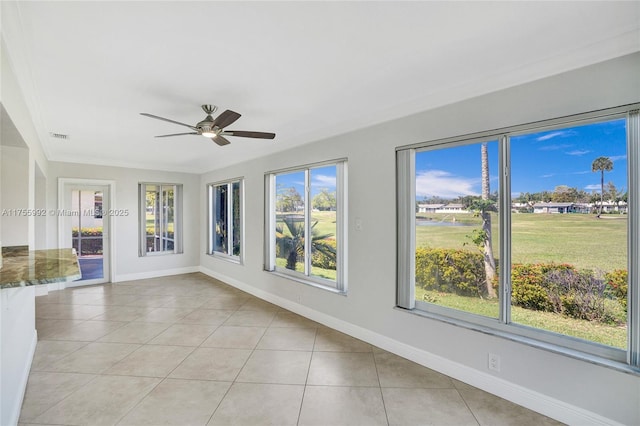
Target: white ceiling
[304, 70]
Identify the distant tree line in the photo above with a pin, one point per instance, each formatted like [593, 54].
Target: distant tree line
[567, 194]
[290, 200]
[560, 194]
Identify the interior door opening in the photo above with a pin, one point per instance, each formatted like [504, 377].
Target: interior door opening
[85, 226]
[87, 232]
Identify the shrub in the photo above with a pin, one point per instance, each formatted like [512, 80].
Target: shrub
[451, 271]
[527, 285]
[322, 260]
[580, 295]
[618, 283]
[560, 288]
[87, 232]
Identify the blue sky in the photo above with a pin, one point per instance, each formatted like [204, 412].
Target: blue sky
[321, 178]
[539, 161]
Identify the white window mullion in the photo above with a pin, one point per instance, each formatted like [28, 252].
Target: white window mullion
[229, 224]
[341, 228]
[270, 222]
[633, 209]
[505, 230]
[307, 222]
[406, 201]
[160, 215]
[210, 215]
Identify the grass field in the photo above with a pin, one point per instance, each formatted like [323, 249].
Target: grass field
[325, 224]
[593, 331]
[578, 239]
[581, 240]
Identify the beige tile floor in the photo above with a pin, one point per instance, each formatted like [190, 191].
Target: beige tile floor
[190, 350]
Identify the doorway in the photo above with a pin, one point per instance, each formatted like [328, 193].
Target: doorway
[84, 224]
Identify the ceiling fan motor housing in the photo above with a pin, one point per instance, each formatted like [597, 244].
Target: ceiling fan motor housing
[209, 109]
[206, 125]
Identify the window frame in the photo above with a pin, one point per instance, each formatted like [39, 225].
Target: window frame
[626, 360]
[340, 284]
[177, 219]
[211, 217]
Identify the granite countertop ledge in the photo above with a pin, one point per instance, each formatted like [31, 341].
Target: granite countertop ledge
[22, 267]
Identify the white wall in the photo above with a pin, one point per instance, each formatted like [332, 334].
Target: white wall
[17, 306]
[125, 232]
[568, 389]
[18, 343]
[40, 203]
[14, 170]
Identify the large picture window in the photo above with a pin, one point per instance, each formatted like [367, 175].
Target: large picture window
[530, 230]
[305, 224]
[225, 219]
[160, 218]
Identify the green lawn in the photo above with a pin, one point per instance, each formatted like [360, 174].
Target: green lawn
[593, 331]
[329, 274]
[326, 221]
[577, 239]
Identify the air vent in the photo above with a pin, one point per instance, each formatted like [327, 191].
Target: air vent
[59, 135]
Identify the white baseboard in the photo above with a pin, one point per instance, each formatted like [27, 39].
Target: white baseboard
[536, 401]
[155, 274]
[41, 290]
[15, 412]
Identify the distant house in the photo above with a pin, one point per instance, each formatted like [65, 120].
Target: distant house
[610, 206]
[441, 208]
[554, 208]
[452, 208]
[429, 208]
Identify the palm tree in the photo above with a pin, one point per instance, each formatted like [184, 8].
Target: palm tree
[292, 242]
[601, 164]
[485, 206]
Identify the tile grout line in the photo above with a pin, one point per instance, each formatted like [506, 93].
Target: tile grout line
[306, 380]
[384, 406]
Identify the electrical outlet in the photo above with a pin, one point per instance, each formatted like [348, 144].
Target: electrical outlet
[494, 362]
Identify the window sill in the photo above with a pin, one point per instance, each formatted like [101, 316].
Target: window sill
[231, 259]
[160, 253]
[307, 281]
[538, 344]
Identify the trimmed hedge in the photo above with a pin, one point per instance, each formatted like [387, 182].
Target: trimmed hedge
[451, 271]
[562, 289]
[618, 282]
[318, 259]
[90, 246]
[322, 260]
[549, 287]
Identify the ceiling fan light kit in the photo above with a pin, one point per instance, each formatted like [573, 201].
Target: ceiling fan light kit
[213, 128]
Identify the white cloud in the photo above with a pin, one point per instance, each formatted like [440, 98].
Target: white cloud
[554, 147]
[617, 157]
[592, 188]
[552, 135]
[548, 175]
[443, 184]
[324, 181]
[584, 172]
[577, 152]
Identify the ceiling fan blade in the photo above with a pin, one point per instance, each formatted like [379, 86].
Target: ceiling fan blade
[166, 119]
[177, 134]
[245, 134]
[220, 140]
[226, 118]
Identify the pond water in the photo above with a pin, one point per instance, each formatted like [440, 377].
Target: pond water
[439, 223]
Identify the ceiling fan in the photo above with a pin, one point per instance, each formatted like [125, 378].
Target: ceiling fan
[214, 128]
